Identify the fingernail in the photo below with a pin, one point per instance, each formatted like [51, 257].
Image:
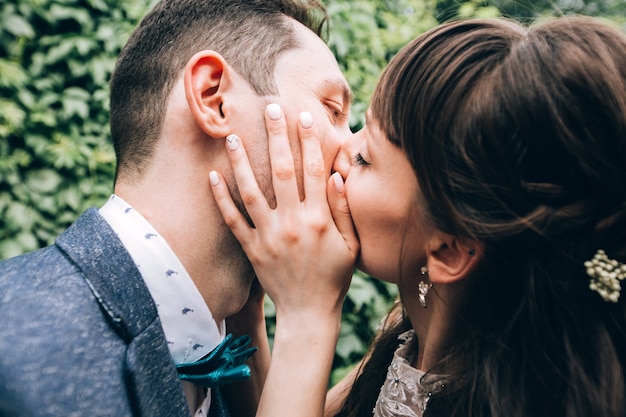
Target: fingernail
[339, 185]
[232, 141]
[214, 178]
[273, 111]
[306, 120]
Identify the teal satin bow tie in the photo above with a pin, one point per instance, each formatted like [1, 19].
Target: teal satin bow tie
[223, 365]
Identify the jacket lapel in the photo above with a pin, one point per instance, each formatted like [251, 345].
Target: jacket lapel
[108, 269]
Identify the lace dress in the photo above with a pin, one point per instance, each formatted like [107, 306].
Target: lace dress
[403, 393]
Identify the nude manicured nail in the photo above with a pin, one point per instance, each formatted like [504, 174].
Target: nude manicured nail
[214, 178]
[232, 141]
[306, 120]
[339, 185]
[274, 112]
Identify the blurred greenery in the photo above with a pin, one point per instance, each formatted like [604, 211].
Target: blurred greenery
[55, 154]
[56, 158]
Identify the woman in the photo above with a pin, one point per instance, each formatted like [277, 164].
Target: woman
[489, 184]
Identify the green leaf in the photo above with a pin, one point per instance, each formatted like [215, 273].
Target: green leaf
[361, 291]
[348, 344]
[12, 74]
[59, 52]
[17, 25]
[11, 116]
[43, 180]
[10, 248]
[20, 216]
[78, 14]
[75, 101]
[70, 197]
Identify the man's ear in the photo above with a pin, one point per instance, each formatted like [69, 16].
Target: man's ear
[207, 79]
[451, 259]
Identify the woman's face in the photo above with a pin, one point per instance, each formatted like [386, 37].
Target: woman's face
[382, 190]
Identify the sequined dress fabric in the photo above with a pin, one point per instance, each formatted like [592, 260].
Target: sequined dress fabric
[403, 394]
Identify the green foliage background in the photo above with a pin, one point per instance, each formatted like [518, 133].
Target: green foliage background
[56, 159]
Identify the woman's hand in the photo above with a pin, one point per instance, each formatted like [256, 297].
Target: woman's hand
[303, 252]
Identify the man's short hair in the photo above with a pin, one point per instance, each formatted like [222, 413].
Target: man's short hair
[249, 34]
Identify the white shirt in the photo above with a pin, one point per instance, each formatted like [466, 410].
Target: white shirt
[188, 324]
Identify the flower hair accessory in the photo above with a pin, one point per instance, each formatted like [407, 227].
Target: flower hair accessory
[606, 275]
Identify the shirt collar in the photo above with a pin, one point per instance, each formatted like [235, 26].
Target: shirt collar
[188, 325]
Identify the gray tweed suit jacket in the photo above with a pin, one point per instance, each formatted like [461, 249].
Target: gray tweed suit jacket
[80, 334]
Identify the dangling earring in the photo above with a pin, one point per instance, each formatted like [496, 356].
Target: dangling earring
[423, 287]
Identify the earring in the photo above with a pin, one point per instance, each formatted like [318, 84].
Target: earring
[423, 287]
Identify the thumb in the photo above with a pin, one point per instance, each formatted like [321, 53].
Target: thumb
[341, 211]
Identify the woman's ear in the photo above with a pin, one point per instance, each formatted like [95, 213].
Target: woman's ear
[207, 80]
[451, 259]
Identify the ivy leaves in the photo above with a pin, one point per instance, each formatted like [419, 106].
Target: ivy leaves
[56, 157]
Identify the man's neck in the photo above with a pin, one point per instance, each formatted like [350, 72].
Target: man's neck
[199, 238]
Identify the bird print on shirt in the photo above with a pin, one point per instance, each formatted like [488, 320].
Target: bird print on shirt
[186, 320]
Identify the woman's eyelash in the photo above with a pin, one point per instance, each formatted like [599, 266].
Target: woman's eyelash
[359, 160]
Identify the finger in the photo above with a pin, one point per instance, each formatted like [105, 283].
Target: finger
[231, 214]
[247, 186]
[282, 161]
[341, 212]
[313, 168]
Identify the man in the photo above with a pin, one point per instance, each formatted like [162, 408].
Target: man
[95, 324]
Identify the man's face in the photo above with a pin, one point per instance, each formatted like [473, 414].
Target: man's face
[308, 79]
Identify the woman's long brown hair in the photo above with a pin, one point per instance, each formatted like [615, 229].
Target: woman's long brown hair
[517, 137]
